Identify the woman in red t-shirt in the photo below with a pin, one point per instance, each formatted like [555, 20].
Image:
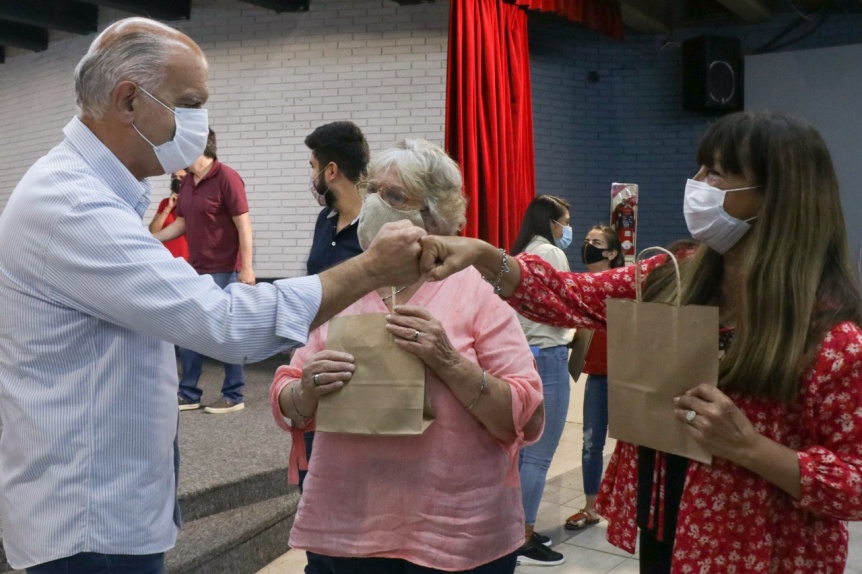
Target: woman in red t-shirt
[165, 216]
[601, 251]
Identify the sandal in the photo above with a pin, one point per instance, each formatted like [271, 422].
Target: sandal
[581, 520]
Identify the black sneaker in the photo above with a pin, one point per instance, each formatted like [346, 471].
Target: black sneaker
[541, 539]
[536, 554]
[188, 404]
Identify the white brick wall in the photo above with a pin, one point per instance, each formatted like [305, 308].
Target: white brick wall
[273, 79]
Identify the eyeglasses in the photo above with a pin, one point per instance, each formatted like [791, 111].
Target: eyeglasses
[394, 196]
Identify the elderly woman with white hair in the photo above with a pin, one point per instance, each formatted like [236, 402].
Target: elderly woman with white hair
[448, 499]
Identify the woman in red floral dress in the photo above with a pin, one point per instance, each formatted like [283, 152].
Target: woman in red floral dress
[785, 423]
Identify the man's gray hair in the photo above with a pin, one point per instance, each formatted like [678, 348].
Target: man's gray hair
[139, 56]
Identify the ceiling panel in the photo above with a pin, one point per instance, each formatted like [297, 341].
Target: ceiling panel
[25, 23]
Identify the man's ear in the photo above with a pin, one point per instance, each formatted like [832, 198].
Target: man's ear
[123, 100]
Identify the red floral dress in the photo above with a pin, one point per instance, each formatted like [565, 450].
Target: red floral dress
[730, 519]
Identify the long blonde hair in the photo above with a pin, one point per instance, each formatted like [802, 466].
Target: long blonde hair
[798, 280]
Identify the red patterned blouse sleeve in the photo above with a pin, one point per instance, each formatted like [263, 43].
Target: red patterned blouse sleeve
[565, 299]
[831, 469]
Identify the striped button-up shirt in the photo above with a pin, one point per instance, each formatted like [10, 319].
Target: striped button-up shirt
[91, 307]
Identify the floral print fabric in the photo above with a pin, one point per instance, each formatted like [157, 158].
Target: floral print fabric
[730, 519]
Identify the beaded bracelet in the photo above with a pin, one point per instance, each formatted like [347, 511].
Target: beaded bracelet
[302, 418]
[504, 268]
[481, 390]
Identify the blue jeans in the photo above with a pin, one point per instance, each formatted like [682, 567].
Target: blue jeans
[595, 431]
[504, 565]
[192, 363]
[94, 563]
[534, 460]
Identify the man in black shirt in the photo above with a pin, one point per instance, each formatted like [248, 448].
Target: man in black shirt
[339, 156]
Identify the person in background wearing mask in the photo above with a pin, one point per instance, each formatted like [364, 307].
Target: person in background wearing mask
[165, 215]
[448, 499]
[213, 214]
[783, 424]
[601, 251]
[93, 305]
[545, 232]
[338, 160]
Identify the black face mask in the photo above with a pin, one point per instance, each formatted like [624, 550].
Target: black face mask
[175, 185]
[592, 254]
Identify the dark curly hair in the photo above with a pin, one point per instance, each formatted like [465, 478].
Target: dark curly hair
[343, 144]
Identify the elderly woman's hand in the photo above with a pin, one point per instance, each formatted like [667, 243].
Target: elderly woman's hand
[326, 372]
[418, 332]
[717, 424]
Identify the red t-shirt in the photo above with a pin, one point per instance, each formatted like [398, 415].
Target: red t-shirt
[596, 362]
[208, 209]
[178, 247]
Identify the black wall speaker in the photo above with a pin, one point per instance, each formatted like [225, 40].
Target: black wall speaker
[712, 74]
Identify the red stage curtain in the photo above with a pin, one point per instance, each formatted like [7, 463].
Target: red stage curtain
[489, 122]
[601, 15]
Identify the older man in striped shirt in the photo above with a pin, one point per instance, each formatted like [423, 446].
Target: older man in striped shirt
[93, 305]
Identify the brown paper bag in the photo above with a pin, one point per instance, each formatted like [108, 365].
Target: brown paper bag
[580, 345]
[657, 351]
[387, 394]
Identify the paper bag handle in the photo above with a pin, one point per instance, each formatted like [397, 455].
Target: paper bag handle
[638, 274]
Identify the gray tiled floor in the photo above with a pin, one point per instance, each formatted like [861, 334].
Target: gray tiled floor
[587, 551]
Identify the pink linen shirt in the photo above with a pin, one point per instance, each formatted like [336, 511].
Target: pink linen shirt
[448, 499]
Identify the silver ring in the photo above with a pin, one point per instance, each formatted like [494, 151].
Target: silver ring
[415, 336]
[689, 416]
[315, 379]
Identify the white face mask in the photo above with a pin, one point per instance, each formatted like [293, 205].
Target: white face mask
[376, 213]
[189, 141]
[706, 218]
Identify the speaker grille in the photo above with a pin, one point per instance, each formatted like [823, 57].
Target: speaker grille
[712, 74]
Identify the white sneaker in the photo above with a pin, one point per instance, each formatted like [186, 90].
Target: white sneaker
[224, 406]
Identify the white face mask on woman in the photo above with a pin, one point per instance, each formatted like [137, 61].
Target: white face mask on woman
[376, 213]
[566, 239]
[189, 141]
[706, 218]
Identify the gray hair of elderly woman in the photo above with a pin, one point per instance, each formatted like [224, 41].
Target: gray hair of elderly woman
[139, 56]
[427, 175]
